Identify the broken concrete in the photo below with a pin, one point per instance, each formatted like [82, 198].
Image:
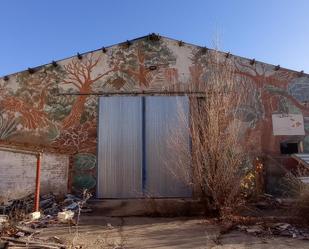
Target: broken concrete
[35, 215]
[65, 216]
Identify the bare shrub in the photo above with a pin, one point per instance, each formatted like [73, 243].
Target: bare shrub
[300, 192]
[86, 195]
[302, 203]
[216, 164]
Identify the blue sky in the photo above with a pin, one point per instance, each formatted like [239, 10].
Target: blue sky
[34, 32]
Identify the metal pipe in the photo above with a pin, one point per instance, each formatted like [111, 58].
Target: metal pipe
[13, 150]
[37, 183]
[133, 93]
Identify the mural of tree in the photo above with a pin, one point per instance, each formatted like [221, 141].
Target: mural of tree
[31, 104]
[134, 61]
[272, 84]
[34, 88]
[31, 117]
[79, 73]
[30, 98]
[81, 138]
[250, 112]
[200, 59]
[8, 125]
[274, 96]
[59, 106]
[8, 122]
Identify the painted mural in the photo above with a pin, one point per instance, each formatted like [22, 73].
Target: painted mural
[55, 106]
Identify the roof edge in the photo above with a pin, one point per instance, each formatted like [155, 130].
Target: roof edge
[146, 36]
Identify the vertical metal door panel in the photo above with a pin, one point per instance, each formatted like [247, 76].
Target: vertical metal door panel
[162, 176]
[120, 147]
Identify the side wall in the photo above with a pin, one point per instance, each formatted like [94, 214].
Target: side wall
[55, 107]
[18, 174]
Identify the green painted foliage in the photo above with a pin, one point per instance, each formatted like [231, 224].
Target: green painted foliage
[37, 87]
[7, 126]
[84, 161]
[53, 132]
[132, 62]
[275, 90]
[84, 182]
[285, 106]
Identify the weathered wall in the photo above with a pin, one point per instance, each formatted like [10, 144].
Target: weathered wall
[18, 174]
[34, 111]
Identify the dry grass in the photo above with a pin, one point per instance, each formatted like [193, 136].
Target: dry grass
[86, 195]
[300, 192]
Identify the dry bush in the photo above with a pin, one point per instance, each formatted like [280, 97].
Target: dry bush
[86, 195]
[302, 202]
[300, 192]
[216, 164]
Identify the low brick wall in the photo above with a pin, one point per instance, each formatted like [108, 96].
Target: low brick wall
[18, 173]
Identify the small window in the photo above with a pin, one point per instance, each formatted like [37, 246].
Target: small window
[288, 148]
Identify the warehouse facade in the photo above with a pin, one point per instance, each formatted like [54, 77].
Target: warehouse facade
[110, 143]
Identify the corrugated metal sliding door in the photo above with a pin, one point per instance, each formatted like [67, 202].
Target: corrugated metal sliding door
[133, 147]
[119, 147]
[164, 120]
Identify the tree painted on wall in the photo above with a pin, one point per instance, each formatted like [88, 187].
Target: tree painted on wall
[272, 85]
[199, 59]
[79, 74]
[135, 61]
[59, 106]
[35, 104]
[35, 88]
[266, 78]
[8, 125]
[79, 138]
[30, 99]
[8, 120]
[249, 113]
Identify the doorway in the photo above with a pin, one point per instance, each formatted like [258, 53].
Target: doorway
[133, 149]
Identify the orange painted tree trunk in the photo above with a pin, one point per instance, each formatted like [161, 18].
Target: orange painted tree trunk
[76, 112]
[78, 107]
[79, 75]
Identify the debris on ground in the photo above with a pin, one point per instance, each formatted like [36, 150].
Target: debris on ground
[3, 219]
[265, 201]
[19, 226]
[32, 243]
[65, 216]
[35, 215]
[50, 206]
[279, 229]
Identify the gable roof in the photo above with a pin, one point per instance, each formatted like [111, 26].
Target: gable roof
[180, 42]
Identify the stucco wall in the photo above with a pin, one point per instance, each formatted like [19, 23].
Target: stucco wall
[18, 174]
[34, 110]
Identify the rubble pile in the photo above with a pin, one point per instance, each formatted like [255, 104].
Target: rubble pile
[279, 229]
[19, 235]
[18, 207]
[19, 226]
[265, 201]
[30, 243]
[50, 206]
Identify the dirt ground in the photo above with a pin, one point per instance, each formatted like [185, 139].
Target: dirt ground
[142, 232]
